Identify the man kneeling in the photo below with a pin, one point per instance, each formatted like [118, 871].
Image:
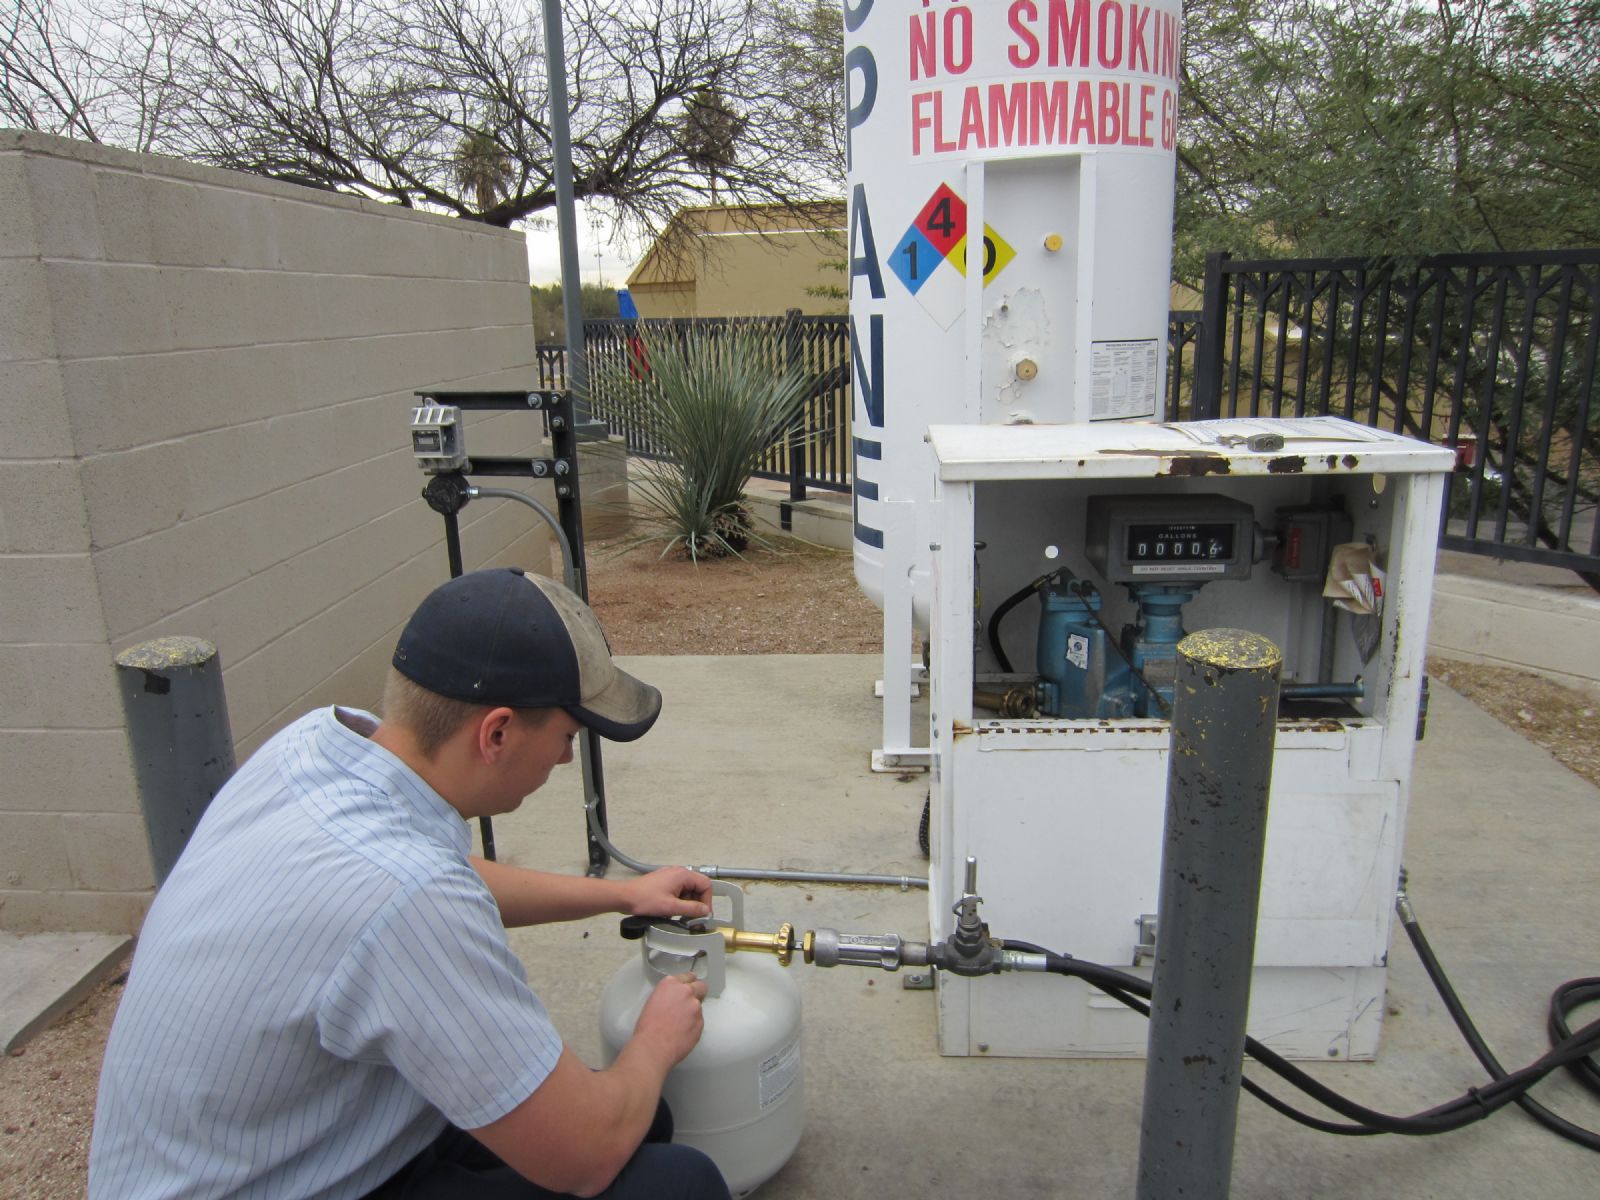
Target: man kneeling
[323, 1002]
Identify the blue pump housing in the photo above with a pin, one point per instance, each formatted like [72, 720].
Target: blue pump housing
[1152, 644]
[1080, 674]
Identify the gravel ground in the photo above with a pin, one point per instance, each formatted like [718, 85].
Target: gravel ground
[791, 599]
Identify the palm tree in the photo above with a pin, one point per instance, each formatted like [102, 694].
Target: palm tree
[709, 135]
[484, 168]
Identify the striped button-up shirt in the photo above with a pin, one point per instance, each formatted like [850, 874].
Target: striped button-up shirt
[321, 983]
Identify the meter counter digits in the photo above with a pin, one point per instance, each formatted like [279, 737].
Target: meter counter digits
[1156, 539]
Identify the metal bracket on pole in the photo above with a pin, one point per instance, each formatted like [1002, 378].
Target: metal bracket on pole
[447, 494]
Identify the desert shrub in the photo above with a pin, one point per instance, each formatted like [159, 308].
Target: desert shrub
[712, 401]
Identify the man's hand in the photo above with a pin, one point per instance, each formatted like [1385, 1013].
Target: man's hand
[671, 1020]
[580, 1127]
[669, 892]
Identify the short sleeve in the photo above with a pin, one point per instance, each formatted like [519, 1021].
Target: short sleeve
[431, 989]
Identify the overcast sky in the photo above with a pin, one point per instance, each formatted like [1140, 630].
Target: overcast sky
[544, 253]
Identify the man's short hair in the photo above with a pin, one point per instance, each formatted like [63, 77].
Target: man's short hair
[433, 719]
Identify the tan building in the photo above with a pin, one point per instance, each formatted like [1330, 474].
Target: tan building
[745, 261]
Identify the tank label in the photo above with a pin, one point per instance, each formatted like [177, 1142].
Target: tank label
[931, 259]
[1123, 379]
[779, 1072]
[1078, 651]
[999, 78]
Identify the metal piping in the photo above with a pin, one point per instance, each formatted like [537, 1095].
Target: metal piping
[569, 570]
[903, 882]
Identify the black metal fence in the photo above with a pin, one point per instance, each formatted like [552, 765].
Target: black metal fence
[1493, 354]
[814, 452]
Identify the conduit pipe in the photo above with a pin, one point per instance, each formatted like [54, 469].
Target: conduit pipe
[591, 799]
[903, 882]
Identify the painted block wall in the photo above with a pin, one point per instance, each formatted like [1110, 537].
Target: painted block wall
[205, 383]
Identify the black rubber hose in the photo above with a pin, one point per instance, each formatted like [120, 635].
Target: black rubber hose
[1000, 613]
[1474, 1105]
[1559, 1032]
[1563, 1000]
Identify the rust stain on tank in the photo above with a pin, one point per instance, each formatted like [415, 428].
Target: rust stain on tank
[1289, 464]
[1200, 464]
[1351, 461]
[1333, 462]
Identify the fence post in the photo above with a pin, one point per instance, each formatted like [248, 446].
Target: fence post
[1210, 340]
[178, 737]
[797, 429]
[1219, 774]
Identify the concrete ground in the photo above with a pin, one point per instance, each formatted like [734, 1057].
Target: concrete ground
[44, 975]
[761, 761]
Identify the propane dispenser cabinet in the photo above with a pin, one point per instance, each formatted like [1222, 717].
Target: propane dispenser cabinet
[1098, 547]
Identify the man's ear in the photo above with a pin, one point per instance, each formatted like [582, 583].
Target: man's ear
[493, 729]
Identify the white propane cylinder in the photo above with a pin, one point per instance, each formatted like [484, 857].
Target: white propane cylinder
[1044, 131]
[739, 1094]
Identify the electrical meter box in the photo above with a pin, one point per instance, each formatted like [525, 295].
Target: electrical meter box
[1119, 540]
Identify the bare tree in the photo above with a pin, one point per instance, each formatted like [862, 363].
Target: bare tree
[441, 104]
[50, 78]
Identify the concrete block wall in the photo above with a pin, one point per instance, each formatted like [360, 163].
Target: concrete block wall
[1551, 632]
[205, 382]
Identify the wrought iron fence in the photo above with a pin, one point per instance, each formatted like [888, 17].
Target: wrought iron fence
[813, 452]
[1493, 354]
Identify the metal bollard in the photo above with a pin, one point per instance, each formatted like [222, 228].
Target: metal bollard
[178, 737]
[1224, 719]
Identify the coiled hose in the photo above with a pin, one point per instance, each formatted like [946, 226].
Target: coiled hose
[1570, 1050]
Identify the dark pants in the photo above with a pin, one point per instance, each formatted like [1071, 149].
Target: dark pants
[459, 1167]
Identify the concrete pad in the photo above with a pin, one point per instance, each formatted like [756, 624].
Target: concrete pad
[43, 975]
[762, 761]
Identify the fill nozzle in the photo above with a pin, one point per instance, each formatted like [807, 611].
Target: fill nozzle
[970, 951]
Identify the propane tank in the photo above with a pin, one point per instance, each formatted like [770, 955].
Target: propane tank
[738, 1096]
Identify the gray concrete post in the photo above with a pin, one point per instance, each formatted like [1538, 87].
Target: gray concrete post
[178, 737]
[1224, 717]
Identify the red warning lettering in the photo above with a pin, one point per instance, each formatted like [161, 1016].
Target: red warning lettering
[960, 120]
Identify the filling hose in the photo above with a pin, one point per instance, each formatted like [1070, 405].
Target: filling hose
[1573, 1051]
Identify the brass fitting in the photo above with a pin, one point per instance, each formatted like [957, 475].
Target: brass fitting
[780, 943]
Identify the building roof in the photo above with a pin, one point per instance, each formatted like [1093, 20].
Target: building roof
[667, 260]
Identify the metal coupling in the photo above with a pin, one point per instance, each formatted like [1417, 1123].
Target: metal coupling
[780, 943]
[1023, 960]
[986, 957]
[887, 951]
[1402, 901]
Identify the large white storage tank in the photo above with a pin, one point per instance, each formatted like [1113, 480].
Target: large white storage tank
[1050, 125]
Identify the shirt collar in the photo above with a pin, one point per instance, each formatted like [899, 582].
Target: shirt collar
[347, 737]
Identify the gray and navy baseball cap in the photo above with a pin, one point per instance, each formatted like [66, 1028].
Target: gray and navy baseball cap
[503, 636]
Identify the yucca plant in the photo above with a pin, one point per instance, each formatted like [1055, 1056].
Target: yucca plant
[713, 403]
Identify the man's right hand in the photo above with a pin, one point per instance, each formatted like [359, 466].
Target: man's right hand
[672, 1019]
[580, 1127]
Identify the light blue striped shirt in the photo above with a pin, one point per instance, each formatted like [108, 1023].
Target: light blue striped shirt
[322, 982]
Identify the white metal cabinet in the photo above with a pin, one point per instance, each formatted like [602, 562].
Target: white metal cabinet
[1065, 816]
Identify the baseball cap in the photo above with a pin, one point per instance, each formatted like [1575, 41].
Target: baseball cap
[503, 636]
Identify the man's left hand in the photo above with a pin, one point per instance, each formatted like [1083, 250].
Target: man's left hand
[669, 892]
